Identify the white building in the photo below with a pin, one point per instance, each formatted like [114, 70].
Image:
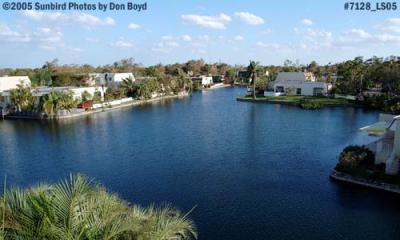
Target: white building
[298, 83]
[203, 80]
[387, 146]
[9, 83]
[102, 79]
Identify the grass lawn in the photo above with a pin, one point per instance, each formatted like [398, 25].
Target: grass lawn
[297, 100]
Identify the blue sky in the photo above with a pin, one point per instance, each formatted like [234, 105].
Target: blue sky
[176, 31]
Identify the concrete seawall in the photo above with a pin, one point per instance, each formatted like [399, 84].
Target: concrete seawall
[344, 177]
[104, 109]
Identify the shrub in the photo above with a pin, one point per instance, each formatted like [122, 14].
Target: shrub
[309, 104]
[355, 156]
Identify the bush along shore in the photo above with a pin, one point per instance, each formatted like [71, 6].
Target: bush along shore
[78, 208]
[305, 102]
[356, 165]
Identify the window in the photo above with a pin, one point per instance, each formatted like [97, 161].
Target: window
[279, 89]
[298, 91]
[318, 91]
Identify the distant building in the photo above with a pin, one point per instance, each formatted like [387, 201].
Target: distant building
[218, 79]
[203, 80]
[243, 76]
[105, 79]
[387, 146]
[373, 91]
[298, 83]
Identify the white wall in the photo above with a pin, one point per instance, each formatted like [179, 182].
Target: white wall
[9, 83]
[105, 78]
[396, 144]
[307, 87]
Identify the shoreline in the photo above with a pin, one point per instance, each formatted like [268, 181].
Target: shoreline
[217, 87]
[347, 178]
[102, 109]
[293, 103]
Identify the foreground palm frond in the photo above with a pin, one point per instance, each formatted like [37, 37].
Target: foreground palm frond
[77, 208]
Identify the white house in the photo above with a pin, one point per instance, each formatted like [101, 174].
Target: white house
[387, 146]
[101, 79]
[9, 83]
[204, 80]
[298, 83]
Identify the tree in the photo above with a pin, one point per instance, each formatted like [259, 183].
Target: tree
[55, 101]
[147, 88]
[77, 208]
[252, 72]
[86, 96]
[22, 98]
[129, 86]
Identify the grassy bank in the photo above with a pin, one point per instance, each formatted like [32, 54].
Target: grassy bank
[302, 101]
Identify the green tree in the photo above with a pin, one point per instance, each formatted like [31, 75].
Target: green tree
[79, 209]
[129, 87]
[55, 101]
[86, 96]
[22, 98]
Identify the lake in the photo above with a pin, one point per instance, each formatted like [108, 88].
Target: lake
[255, 171]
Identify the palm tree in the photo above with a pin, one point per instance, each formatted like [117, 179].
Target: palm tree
[21, 97]
[252, 72]
[55, 101]
[79, 209]
[50, 106]
[129, 86]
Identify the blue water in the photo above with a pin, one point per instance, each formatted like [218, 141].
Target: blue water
[255, 171]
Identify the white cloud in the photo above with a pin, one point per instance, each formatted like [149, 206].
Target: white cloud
[83, 19]
[268, 45]
[122, 43]
[8, 35]
[307, 22]
[214, 22]
[186, 38]
[313, 33]
[167, 44]
[250, 18]
[167, 37]
[204, 38]
[134, 26]
[239, 38]
[391, 25]
[359, 33]
[172, 44]
[266, 31]
[92, 40]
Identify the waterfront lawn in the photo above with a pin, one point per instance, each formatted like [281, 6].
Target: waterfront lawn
[297, 100]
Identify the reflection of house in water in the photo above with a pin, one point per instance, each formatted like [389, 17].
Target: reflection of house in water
[387, 146]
